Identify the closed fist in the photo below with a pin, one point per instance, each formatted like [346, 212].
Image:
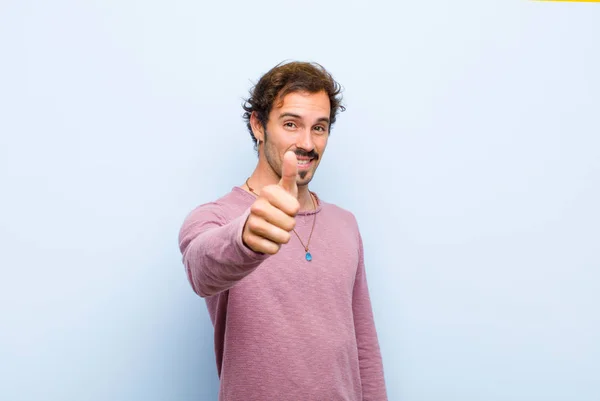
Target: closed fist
[272, 215]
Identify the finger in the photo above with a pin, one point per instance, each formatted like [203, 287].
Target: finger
[266, 230]
[280, 199]
[289, 171]
[262, 245]
[274, 215]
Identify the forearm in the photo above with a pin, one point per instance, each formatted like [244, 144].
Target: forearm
[214, 256]
[369, 353]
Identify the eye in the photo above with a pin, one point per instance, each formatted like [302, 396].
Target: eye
[289, 124]
[320, 128]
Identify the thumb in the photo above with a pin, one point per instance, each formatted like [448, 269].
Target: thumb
[289, 171]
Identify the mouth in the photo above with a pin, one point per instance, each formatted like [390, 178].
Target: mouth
[304, 163]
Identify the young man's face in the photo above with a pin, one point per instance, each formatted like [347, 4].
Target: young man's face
[300, 123]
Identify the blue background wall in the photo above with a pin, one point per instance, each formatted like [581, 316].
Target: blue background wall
[470, 154]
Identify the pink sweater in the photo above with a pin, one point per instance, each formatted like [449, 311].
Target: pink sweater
[285, 328]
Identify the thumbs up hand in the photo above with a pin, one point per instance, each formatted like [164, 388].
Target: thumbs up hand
[272, 215]
[289, 173]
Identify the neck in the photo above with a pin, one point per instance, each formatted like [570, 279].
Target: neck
[260, 179]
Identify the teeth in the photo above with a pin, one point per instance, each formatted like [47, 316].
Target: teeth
[303, 161]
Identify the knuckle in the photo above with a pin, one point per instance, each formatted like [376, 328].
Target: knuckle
[253, 225]
[249, 240]
[286, 238]
[278, 192]
[288, 224]
[292, 224]
[272, 249]
[267, 191]
[257, 207]
[275, 234]
[295, 207]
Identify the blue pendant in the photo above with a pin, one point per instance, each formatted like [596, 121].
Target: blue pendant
[308, 256]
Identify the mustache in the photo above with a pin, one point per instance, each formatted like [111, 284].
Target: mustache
[312, 154]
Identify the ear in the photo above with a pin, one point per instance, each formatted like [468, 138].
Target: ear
[257, 128]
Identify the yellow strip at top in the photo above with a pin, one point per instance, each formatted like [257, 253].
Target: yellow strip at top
[569, 1]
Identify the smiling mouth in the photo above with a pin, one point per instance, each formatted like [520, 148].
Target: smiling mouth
[304, 164]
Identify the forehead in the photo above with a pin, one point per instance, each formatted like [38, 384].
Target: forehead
[304, 103]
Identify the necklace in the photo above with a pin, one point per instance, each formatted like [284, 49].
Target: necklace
[308, 255]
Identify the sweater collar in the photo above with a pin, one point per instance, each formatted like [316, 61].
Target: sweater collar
[251, 197]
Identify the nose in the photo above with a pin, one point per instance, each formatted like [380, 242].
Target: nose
[304, 141]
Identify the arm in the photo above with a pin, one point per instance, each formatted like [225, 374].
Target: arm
[369, 354]
[214, 256]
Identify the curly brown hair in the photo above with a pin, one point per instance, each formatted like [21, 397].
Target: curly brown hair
[286, 78]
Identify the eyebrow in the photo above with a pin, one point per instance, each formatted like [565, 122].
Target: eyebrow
[284, 115]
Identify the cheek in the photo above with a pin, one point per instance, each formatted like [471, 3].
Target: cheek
[281, 143]
[321, 148]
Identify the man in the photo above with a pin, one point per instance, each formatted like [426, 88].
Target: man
[282, 271]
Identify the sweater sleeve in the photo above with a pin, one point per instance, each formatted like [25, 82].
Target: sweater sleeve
[369, 354]
[214, 256]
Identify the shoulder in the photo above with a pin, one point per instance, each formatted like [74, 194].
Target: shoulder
[340, 215]
[212, 214]
[223, 209]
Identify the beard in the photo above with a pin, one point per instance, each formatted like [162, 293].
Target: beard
[275, 162]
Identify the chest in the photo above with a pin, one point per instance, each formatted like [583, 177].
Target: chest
[288, 280]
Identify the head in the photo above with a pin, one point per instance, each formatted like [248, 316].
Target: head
[293, 107]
